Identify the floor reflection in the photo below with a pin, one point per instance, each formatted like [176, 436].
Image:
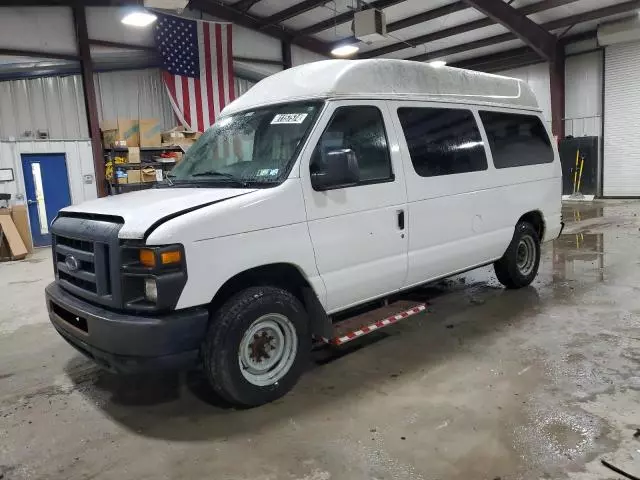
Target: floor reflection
[573, 254]
[580, 212]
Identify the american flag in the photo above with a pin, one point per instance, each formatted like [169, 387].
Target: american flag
[198, 68]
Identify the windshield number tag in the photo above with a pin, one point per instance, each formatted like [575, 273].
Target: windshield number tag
[289, 118]
[267, 172]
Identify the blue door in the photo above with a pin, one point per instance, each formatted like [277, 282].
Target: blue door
[47, 185]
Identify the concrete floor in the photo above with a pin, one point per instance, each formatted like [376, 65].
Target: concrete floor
[537, 383]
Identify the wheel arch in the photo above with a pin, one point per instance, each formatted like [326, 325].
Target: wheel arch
[536, 219]
[283, 275]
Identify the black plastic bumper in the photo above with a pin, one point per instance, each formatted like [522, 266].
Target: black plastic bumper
[127, 343]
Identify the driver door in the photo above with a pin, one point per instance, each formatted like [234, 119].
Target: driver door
[358, 232]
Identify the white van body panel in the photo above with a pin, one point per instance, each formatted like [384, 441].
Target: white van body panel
[360, 252]
[385, 78]
[222, 240]
[460, 221]
[141, 210]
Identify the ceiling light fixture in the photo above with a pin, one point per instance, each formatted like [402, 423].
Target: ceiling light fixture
[345, 50]
[438, 63]
[140, 18]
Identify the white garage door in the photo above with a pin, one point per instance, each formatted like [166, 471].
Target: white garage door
[622, 121]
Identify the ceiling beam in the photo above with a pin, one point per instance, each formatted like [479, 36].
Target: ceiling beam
[294, 11]
[523, 27]
[457, 30]
[500, 61]
[552, 25]
[253, 22]
[68, 3]
[544, 43]
[245, 5]
[12, 52]
[344, 17]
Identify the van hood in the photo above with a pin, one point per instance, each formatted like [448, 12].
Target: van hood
[143, 209]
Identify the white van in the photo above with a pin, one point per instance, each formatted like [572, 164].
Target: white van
[324, 187]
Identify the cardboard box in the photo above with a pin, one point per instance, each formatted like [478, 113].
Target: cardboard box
[20, 219]
[148, 174]
[109, 138]
[150, 133]
[170, 136]
[11, 238]
[133, 155]
[134, 176]
[127, 133]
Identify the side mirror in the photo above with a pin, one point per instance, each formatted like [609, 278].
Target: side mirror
[341, 170]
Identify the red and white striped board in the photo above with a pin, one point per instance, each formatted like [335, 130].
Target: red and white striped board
[346, 337]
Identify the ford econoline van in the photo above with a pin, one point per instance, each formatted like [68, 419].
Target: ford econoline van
[324, 187]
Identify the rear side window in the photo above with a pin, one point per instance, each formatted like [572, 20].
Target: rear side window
[442, 141]
[516, 140]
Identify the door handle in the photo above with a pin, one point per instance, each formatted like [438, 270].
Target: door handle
[31, 202]
[401, 219]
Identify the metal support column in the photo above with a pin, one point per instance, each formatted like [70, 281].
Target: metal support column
[556, 78]
[286, 54]
[90, 101]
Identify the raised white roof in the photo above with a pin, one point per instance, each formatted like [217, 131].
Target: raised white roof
[385, 78]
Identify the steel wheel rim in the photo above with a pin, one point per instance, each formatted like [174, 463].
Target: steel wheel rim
[526, 255]
[268, 349]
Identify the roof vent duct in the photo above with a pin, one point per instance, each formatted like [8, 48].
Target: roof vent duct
[369, 25]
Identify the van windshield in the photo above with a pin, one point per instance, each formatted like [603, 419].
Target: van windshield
[254, 148]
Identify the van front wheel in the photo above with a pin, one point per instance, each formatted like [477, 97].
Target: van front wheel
[257, 346]
[519, 265]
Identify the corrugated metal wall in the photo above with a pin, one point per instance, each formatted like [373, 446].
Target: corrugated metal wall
[133, 94]
[537, 76]
[583, 95]
[56, 104]
[242, 85]
[53, 104]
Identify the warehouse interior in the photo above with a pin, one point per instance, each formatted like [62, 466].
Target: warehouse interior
[487, 383]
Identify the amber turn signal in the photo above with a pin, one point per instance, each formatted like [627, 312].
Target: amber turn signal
[167, 258]
[148, 258]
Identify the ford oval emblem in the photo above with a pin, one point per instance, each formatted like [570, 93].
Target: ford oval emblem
[72, 263]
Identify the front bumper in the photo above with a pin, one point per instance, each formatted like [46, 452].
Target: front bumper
[127, 343]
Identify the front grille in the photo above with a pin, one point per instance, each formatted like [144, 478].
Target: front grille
[87, 259]
[82, 245]
[83, 264]
[78, 282]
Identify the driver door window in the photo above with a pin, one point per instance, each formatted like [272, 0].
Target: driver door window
[361, 130]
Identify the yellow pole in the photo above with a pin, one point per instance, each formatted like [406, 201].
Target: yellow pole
[575, 172]
[580, 175]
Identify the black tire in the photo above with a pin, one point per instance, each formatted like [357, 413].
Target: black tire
[512, 270]
[221, 348]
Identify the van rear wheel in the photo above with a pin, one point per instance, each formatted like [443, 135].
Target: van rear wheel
[519, 265]
[257, 346]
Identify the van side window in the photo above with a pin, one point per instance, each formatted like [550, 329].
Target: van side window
[442, 141]
[516, 140]
[361, 129]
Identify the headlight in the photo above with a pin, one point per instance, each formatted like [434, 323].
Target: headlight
[151, 290]
[153, 276]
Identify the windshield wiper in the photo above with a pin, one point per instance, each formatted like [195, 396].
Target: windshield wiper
[213, 173]
[223, 176]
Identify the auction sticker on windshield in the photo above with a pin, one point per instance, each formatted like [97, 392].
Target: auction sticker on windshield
[289, 118]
